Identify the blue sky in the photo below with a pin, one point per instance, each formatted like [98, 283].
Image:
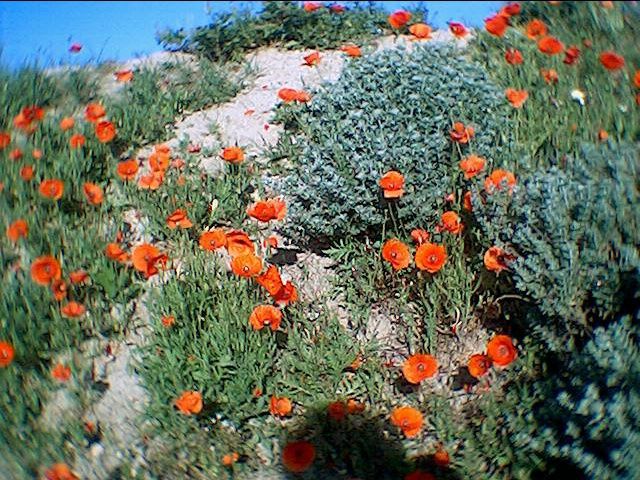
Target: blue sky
[120, 30]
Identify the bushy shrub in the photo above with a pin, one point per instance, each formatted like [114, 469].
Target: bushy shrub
[576, 234]
[285, 24]
[581, 422]
[389, 111]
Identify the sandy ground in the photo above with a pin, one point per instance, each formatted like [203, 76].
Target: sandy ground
[244, 121]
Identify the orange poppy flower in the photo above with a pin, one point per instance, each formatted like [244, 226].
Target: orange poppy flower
[67, 123]
[36, 153]
[461, 133]
[450, 222]
[501, 351]
[550, 45]
[496, 25]
[127, 170]
[93, 193]
[288, 95]
[45, 269]
[472, 165]
[420, 236]
[419, 367]
[351, 50]
[312, 59]
[611, 61]
[230, 458]
[298, 456]
[94, 112]
[265, 316]
[189, 403]
[466, 202]
[549, 75]
[124, 76]
[5, 140]
[52, 188]
[213, 239]
[78, 276]
[311, 6]
[59, 289]
[105, 131]
[270, 280]
[495, 259]
[152, 181]
[61, 372]
[636, 79]
[535, 29]
[286, 295]
[396, 253]
[441, 458]
[478, 365]
[337, 411]
[354, 407]
[27, 117]
[239, 243]
[60, 471]
[421, 31]
[420, 475]
[77, 140]
[115, 252]
[266, 210]
[607, 4]
[145, 257]
[168, 321]
[280, 406]
[159, 162]
[234, 155]
[179, 219]
[17, 229]
[73, 310]
[513, 56]
[458, 29]
[430, 257]
[497, 179]
[516, 97]
[271, 241]
[408, 419]
[602, 135]
[247, 265]
[399, 18]
[392, 184]
[6, 354]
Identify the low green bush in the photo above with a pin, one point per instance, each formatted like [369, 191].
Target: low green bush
[575, 233]
[581, 422]
[286, 24]
[387, 112]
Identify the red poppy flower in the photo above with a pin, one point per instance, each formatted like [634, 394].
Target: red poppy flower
[611, 61]
[458, 29]
[501, 350]
[399, 18]
[419, 367]
[496, 25]
[550, 45]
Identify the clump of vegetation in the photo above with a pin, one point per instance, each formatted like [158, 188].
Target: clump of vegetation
[574, 236]
[403, 122]
[283, 24]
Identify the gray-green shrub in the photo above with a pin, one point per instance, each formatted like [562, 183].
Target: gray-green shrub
[576, 234]
[390, 111]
